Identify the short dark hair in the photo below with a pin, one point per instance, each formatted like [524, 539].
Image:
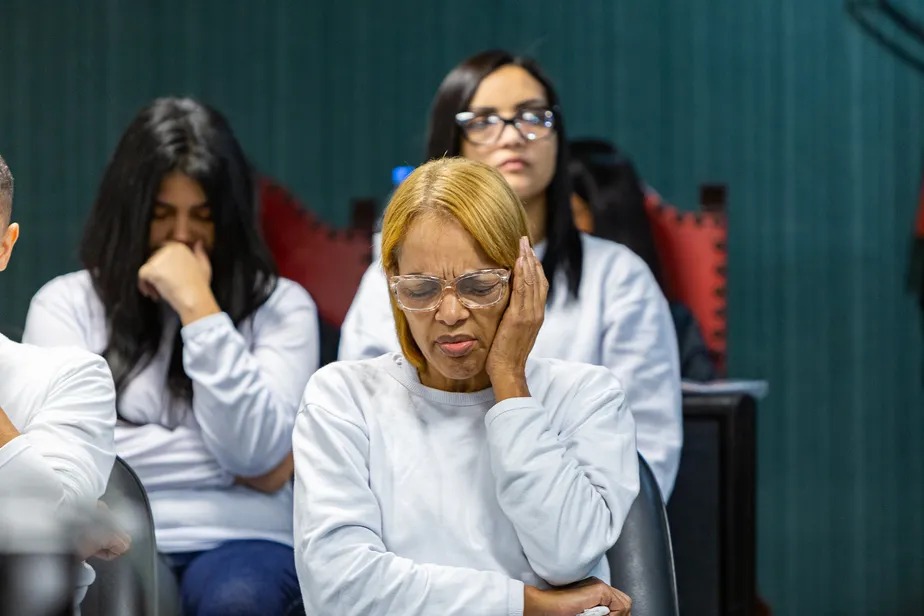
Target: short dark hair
[564, 250]
[6, 192]
[607, 180]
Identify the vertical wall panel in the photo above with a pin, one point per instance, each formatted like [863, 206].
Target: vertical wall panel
[817, 131]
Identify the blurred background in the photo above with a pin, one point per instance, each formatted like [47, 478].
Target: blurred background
[815, 128]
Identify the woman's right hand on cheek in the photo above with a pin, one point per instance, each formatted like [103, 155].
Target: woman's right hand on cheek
[517, 331]
[572, 600]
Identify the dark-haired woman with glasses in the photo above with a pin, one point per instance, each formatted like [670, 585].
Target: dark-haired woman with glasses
[209, 348]
[604, 306]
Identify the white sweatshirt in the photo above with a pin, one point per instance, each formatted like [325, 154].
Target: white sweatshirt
[246, 387]
[416, 501]
[621, 321]
[62, 401]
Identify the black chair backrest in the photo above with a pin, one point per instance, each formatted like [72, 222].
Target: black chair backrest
[128, 584]
[12, 332]
[642, 561]
[712, 508]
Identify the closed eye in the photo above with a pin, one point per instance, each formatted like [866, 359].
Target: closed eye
[419, 288]
[479, 289]
[202, 213]
[161, 213]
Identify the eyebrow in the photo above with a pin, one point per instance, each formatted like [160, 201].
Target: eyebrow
[527, 104]
[197, 206]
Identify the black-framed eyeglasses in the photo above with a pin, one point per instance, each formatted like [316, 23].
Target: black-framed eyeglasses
[486, 128]
[478, 289]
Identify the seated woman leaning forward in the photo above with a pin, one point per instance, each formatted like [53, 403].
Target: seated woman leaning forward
[459, 477]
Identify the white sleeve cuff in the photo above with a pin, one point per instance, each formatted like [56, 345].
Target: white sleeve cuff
[217, 320]
[523, 406]
[515, 597]
[23, 472]
[11, 450]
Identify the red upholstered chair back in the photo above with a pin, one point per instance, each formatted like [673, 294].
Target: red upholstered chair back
[692, 247]
[329, 263]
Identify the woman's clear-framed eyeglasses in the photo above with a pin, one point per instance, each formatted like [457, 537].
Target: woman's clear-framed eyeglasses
[479, 289]
[486, 128]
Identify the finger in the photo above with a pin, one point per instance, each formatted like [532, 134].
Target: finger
[201, 254]
[621, 603]
[519, 284]
[121, 542]
[153, 293]
[143, 287]
[535, 288]
[148, 290]
[110, 553]
[539, 276]
[529, 272]
[616, 592]
[118, 550]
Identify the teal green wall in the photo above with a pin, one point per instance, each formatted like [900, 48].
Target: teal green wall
[817, 131]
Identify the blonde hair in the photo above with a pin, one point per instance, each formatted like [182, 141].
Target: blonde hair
[474, 195]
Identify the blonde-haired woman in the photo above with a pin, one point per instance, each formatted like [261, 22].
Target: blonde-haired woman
[456, 477]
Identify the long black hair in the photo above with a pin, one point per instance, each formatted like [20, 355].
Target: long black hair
[172, 134]
[608, 182]
[444, 138]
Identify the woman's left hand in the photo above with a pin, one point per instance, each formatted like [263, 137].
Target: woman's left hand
[109, 542]
[516, 334]
[181, 277]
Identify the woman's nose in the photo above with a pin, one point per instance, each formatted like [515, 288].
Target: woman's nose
[181, 230]
[451, 310]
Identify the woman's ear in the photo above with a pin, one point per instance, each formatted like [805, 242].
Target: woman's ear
[7, 241]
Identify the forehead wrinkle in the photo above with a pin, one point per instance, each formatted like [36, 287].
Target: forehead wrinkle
[441, 248]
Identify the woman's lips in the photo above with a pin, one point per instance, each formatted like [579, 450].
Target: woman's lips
[514, 164]
[458, 348]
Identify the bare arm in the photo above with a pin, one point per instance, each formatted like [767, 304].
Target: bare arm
[7, 430]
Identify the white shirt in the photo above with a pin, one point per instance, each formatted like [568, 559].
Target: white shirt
[621, 321]
[411, 500]
[246, 387]
[62, 401]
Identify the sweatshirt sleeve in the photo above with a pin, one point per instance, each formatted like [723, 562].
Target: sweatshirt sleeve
[640, 348]
[56, 318]
[343, 564]
[65, 452]
[369, 327]
[168, 459]
[245, 399]
[566, 490]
